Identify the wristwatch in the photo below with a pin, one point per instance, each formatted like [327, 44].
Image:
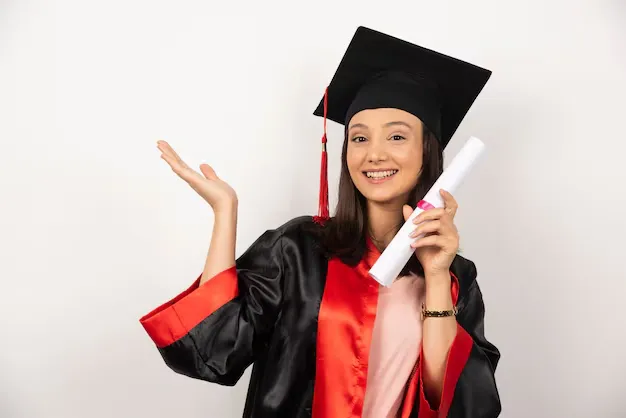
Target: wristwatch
[438, 314]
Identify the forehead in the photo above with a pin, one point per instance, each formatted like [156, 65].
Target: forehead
[380, 117]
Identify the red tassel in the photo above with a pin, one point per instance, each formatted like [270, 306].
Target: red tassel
[323, 213]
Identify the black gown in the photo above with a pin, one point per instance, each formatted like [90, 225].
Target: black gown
[304, 322]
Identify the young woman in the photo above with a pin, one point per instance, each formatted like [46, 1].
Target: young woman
[324, 338]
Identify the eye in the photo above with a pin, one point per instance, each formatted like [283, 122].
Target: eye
[358, 139]
[397, 137]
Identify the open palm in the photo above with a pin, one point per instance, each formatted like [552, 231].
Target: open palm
[208, 185]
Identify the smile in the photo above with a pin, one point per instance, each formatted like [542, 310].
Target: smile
[379, 176]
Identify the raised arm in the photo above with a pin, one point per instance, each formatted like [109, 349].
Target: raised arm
[221, 254]
[211, 330]
[222, 199]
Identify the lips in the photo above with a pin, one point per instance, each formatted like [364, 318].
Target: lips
[379, 176]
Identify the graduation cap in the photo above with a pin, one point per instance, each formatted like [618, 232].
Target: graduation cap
[381, 71]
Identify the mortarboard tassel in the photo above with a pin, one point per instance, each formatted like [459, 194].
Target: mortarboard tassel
[323, 211]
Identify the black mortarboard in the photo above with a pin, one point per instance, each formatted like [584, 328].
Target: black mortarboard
[379, 70]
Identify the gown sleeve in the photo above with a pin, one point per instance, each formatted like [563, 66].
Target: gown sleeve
[211, 331]
[469, 388]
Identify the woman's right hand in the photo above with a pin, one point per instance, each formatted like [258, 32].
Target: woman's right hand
[211, 188]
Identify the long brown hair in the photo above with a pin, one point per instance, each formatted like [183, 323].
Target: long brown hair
[344, 235]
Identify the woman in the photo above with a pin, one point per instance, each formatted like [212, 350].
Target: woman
[324, 339]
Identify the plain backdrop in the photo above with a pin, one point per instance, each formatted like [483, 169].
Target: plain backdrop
[96, 230]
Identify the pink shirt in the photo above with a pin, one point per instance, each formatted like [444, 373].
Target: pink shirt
[395, 347]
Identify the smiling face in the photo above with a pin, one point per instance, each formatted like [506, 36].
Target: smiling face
[384, 154]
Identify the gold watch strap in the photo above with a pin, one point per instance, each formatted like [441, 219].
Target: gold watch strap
[438, 314]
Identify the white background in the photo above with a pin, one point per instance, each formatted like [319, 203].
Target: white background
[96, 230]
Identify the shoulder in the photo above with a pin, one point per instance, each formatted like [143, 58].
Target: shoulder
[296, 224]
[298, 231]
[295, 240]
[292, 237]
[297, 228]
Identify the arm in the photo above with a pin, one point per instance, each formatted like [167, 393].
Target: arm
[456, 371]
[221, 254]
[213, 330]
[438, 335]
[463, 384]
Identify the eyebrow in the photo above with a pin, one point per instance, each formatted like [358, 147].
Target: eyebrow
[387, 125]
[396, 123]
[357, 125]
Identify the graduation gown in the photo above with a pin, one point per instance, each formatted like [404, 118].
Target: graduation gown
[304, 322]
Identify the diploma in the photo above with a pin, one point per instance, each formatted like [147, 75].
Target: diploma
[397, 254]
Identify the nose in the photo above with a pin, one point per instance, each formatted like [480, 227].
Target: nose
[376, 151]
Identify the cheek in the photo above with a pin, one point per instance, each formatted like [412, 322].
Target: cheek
[410, 163]
[353, 159]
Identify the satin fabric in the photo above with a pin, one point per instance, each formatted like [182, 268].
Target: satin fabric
[346, 322]
[304, 324]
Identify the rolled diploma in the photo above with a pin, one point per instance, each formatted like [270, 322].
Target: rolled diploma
[393, 259]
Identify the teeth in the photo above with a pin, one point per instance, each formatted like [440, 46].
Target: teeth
[380, 174]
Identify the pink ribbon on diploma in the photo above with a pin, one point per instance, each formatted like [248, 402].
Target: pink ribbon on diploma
[424, 205]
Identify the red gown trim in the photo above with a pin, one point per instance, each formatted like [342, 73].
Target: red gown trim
[172, 320]
[457, 357]
[455, 362]
[346, 322]
[416, 378]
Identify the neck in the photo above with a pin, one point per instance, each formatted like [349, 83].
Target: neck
[384, 220]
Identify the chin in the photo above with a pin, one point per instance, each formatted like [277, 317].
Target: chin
[385, 197]
[394, 190]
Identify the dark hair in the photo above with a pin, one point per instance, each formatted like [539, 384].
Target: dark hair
[344, 235]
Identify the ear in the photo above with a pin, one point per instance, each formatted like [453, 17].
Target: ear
[406, 211]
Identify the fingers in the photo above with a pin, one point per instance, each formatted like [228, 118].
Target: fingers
[407, 211]
[170, 156]
[208, 171]
[427, 228]
[435, 227]
[446, 242]
[449, 201]
[177, 164]
[430, 215]
[448, 211]
[429, 241]
[167, 150]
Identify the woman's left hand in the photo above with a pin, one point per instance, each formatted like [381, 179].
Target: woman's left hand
[438, 247]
